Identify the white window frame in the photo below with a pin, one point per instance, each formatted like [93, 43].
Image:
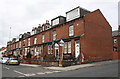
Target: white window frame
[65, 48]
[43, 28]
[35, 40]
[16, 45]
[40, 50]
[43, 38]
[24, 42]
[49, 49]
[54, 34]
[71, 30]
[69, 47]
[20, 45]
[28, 41]
[55, 22]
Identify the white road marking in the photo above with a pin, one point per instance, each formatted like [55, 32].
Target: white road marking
[30, 74]
[19, 72]
[48, 72]
[7, 68]
[40, 73]
[56, 71]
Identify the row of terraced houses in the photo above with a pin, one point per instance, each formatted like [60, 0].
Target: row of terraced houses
[80, 37]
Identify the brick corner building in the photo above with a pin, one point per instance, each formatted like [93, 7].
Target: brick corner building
[80, 37]
[116, 43]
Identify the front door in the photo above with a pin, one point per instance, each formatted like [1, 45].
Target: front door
[77, 48]
[57, 53]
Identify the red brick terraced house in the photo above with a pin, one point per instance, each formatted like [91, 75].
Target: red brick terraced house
[80, 37]
[116, 43]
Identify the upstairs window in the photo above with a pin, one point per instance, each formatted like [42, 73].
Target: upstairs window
[43, 28]
[43, 38]
[54, 35]
[35, 40]
[28, 41]
[23, 43]
[16, 45]
[71, 30]
[20, 45]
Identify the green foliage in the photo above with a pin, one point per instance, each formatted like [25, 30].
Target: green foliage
[28, 55]
[9, 56]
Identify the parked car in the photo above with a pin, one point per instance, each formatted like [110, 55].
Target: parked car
[3, 60]
[12, 61]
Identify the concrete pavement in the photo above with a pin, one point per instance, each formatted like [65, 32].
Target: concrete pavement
[74, 67]
[30, 65]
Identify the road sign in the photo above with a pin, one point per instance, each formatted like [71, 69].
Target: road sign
[56, 46]
[61, 43]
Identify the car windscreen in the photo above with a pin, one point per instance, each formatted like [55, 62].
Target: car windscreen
[5, 58]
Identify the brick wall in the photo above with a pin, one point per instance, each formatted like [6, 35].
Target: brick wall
[98, 38]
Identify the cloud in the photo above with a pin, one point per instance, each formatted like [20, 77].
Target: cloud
[22, 15]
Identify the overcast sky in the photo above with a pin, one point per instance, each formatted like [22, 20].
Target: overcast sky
[23, 15]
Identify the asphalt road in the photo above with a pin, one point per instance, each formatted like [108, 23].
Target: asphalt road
[108, 70]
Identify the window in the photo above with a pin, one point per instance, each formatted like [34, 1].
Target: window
[54, 35]
[49, 49]
[35, 40]
[69, 47]
[23, 43]
[43, 37]
[55, 22]
[40, 50]
[43, 28]
[26, 51]
[71, 30]
[28, 41]
[115, 40]
[73, 14]
[115, 49]
[16, 45]
[65, 48]
[32, 32]
[20, 45]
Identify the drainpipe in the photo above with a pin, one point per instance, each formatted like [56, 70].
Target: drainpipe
[81, 54]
